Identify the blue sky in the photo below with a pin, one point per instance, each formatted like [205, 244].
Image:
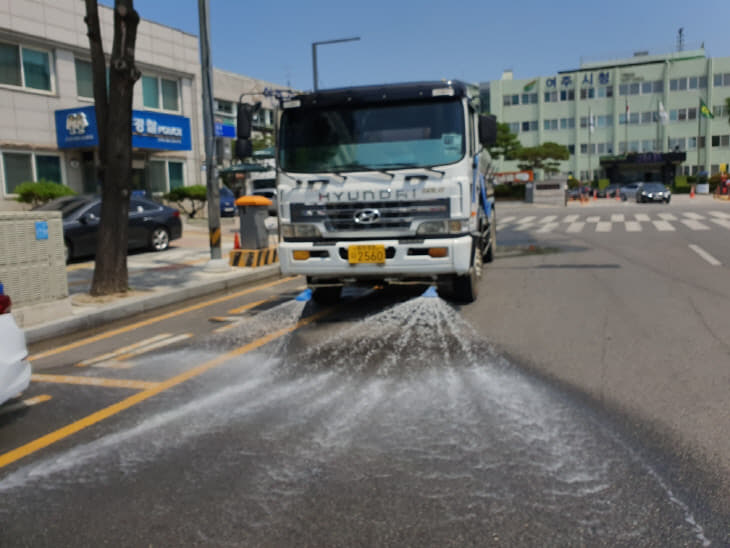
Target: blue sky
[407, 40]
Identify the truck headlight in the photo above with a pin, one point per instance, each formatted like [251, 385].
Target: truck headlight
[432, 227]
[300, 230]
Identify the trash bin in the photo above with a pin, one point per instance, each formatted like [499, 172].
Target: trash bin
[252, 212]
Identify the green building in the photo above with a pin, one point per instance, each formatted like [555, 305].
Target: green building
[627, 119]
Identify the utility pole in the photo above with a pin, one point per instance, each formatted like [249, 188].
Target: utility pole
[206, 69]
[314, 55]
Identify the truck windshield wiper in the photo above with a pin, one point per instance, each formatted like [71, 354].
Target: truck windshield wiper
[414, 166]
[360, 167]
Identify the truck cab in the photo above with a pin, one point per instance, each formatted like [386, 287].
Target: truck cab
[386, 185]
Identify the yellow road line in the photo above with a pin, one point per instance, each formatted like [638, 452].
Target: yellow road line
[79, 266]
[246, 307]
[94, 381]
[156, 319]
[123, 350]
[24, 404]
[70, 429]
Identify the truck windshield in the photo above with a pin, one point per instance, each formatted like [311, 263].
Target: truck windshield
[377, 136]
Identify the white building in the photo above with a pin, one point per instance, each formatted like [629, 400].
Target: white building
[559, 108]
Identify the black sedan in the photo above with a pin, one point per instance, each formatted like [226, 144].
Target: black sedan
[151, 225]
[653, 192]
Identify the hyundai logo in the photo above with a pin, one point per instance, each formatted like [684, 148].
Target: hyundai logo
[366, 216]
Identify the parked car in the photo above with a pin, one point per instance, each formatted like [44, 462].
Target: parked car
[14, 365]
[628, 191]
[228, 202]
[585, 191]
[151, 225]
[653, 192]
[269, 193]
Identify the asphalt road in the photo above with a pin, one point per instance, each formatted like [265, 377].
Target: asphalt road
[581, 401]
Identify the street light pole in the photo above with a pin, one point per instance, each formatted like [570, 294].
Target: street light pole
[314, 55]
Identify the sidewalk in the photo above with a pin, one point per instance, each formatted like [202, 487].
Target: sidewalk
[159, 279]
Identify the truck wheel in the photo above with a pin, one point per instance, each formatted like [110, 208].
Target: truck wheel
[466, 287]
[492, 243]
[326, 295]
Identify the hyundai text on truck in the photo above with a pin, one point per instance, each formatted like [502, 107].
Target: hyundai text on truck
[386, 184]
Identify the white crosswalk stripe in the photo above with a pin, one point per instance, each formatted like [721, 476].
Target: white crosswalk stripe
[575, 227]
[720, 214]
[507, 219]
[694, 225]
[617, 218]
[695, 216]
[663, 226]
[593, 219]
[523, 226]
[548, 227]
[570, 218]
[633, 226]
[548, 219]
[667, 217]
[643, 217]
[529, 219]
[722, 222]
[604, 226]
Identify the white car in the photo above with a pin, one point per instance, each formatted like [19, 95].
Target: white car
[14, 364]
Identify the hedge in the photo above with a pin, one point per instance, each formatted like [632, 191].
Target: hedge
[190, 199]
[40, 192]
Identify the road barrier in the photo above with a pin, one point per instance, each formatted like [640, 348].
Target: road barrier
[254, 257]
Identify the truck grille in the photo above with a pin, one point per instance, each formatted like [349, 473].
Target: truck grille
[390, 215]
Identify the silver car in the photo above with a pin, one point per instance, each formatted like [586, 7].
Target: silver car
[653, 192]
[628, 191]
[14, 365]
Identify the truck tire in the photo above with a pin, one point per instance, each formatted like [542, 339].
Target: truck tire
[492, 243]
[466, 287]
[326, 295]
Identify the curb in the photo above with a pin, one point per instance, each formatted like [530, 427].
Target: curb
[145, 304]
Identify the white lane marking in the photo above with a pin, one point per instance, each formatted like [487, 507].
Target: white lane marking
[123, 350]
[642, 217]
[570, 218]
[575, 227]
[617, 218]
[667, 217]
[548, 227]
[695, 216]
[720, 214]
[705, 255]
[523, 226]
[593, 219]
[633, 226]
[526, 220]
[663, 226]
[119, 361]
[694, 225]
[722, 222]
[548, 219]
[507, 219]
[604, 226]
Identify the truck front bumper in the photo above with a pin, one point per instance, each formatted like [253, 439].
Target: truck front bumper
[405, 260]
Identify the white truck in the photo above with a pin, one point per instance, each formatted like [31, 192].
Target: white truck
[385, 185]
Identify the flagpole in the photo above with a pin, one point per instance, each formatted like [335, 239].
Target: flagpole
[590, 130]
[699, 129]
[626, 145]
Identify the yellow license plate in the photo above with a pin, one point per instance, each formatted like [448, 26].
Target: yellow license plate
[357, 254]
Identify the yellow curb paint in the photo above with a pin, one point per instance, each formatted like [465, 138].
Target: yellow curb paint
[248, 306]
[24, 404]
[156, 319]
[70, 429]
[94, 381]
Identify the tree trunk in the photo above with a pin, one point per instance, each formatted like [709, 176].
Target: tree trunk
[114, 120]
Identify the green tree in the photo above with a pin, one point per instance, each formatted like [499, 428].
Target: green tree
[114, 122]
[546, 156]
[40, 192]
[507, 144]
[190, 199]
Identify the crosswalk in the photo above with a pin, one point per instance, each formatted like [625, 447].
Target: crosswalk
[637, 222]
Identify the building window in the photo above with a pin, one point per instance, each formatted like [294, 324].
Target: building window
[550, 125]
[721, 79]
[691, 143]
[567, 95]
[720, 111]
[587, 93]
[224, 107]
[647, 117]
[529, 126]
[633, 146]
[514, 127]
[646, 87]
[567, 123]
[658, 86]
[507, 101]
[515, 99]
[605, 91]
[160, 94]
[21, 167]
[678, 143]
[84, 79]
[176, 174]
[551, 96]
[604, 121]
[715, 140]
[571, 150]
[165, 175]
[25, 67]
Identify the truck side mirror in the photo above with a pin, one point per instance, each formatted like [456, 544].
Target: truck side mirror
[488, 130]
[243, 121]
[244, 148]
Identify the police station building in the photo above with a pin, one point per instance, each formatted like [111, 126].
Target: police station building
[47, 118]
[638, 118]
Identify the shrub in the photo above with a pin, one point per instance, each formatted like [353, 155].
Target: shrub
[603, 183]
[509, 192]
[681, 184]
[40, 192]
[190, 199]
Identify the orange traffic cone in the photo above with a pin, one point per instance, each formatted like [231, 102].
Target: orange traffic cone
[692, 191]
[236, 242]
[595, 194]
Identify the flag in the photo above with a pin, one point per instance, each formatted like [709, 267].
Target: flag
[663, 116]
[591, 122]
[627, 111]
[529, 86]
[705, 111]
